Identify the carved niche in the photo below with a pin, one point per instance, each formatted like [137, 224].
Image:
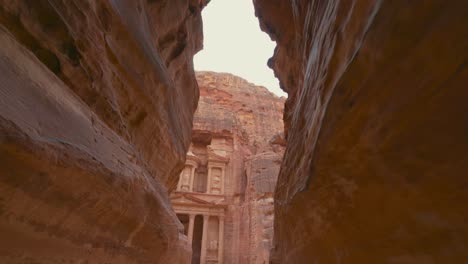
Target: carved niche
[216, 180]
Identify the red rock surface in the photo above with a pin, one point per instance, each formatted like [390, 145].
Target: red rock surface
[96, 107]
[376, 165]
[252, 117]
[230, 103]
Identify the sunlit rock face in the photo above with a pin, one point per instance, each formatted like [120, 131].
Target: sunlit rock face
[376, 165]
[96, 108]
[237, 131]
[253, 117]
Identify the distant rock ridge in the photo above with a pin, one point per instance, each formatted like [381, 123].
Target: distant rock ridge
[236, 104]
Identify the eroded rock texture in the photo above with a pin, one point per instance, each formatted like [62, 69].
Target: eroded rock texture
[96, 107]
[238, 131]
[376, 165]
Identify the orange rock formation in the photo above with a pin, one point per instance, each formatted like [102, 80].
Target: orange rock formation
[96, 108]
[96, 105]
[376, 165]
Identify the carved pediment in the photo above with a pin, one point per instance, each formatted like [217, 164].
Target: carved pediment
[217, 155]
[192, 158]
[187, 198]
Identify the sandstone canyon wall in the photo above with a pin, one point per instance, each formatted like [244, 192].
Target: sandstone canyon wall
[96, 108]
[241, 124]
[376, 165]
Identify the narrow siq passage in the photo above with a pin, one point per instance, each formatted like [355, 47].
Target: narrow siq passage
[98, 103]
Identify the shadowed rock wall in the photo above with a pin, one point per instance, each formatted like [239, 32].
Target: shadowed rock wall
[96, 108]
[376, 165]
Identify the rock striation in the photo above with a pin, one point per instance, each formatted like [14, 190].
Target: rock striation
[96, 107]
[376, 126]
[225, 194]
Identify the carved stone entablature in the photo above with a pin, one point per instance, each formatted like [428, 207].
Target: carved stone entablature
[187, 200]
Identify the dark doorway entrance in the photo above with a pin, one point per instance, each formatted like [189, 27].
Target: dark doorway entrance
[197, 239]
[184, 219]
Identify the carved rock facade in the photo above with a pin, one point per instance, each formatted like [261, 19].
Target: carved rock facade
[376, 165]
[225, 194]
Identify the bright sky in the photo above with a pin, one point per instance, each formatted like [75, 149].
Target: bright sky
[234, 43]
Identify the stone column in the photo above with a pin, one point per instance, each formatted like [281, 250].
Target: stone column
[204, 239]
[223, 176]
[208, 180]
[192, 178]
[190, 228]
[221, 240]
[179, 183]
